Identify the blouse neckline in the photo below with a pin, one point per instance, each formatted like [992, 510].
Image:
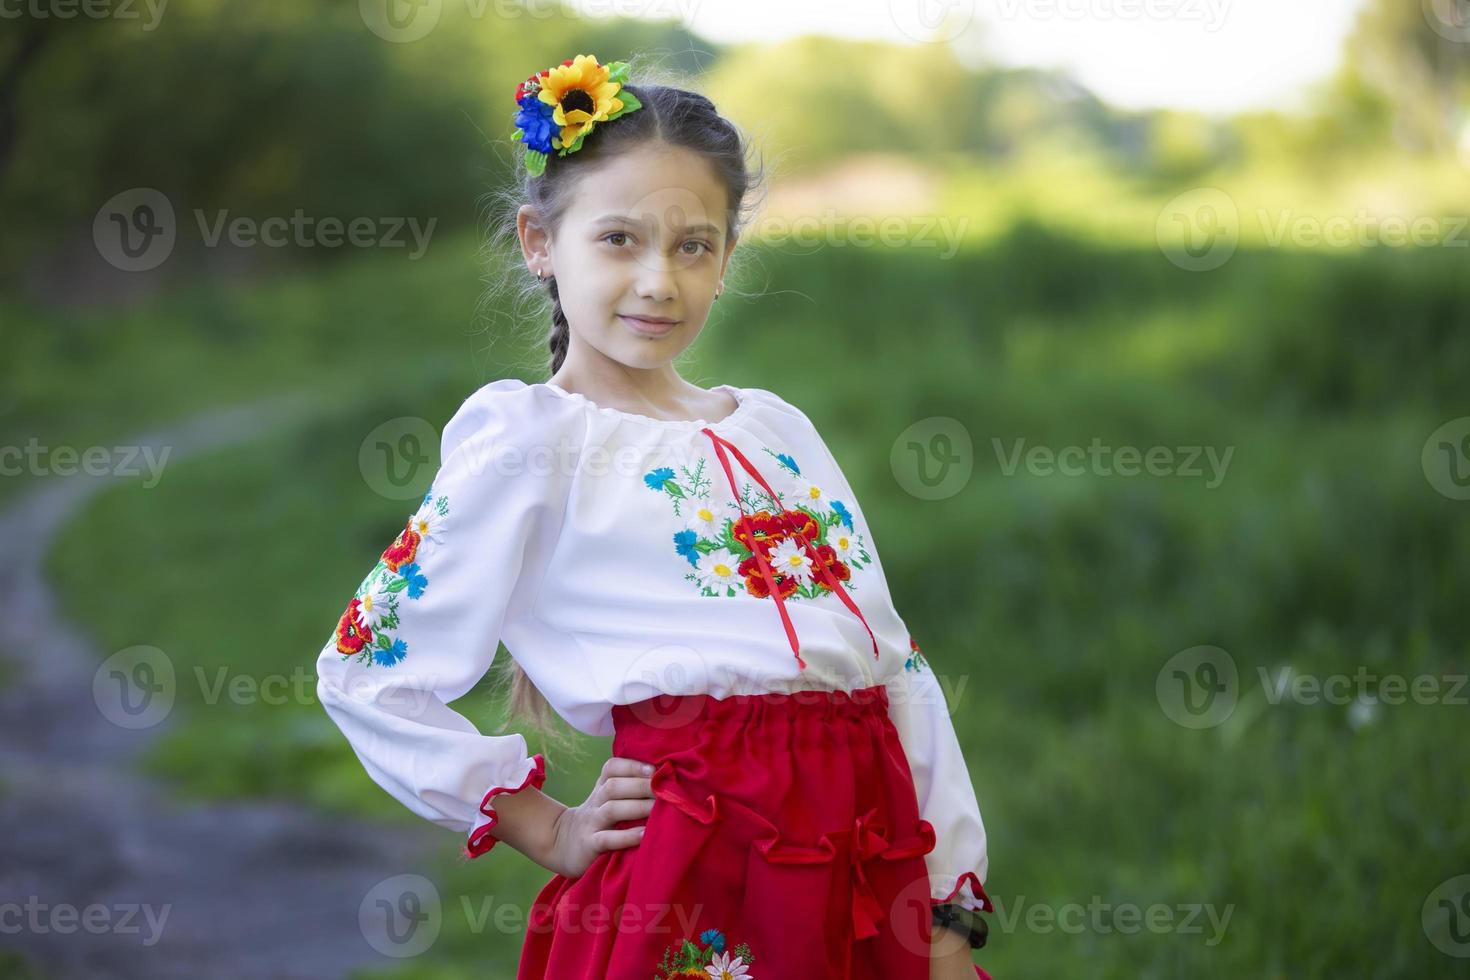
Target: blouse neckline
[742, 397]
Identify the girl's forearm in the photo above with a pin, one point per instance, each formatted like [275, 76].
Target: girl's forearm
[526, 820]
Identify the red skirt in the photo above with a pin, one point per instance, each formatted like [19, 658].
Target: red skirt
[784, 842]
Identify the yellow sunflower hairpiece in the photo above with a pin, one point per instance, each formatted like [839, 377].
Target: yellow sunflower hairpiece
[557, 108]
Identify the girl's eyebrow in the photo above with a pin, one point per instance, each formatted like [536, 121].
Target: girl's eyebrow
[627, 220]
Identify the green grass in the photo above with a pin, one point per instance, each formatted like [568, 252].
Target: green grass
[1055, 600]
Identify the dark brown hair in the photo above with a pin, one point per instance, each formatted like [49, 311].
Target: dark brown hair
[677, 116]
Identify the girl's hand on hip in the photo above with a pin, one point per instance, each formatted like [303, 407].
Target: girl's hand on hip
[624, 791]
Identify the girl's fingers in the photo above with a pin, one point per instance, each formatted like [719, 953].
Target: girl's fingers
[627, 787]
[612, 840]
[623, 766]
[615, 810]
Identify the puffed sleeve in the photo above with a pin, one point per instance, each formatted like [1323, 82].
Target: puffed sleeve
[425, 624]
[959, 861]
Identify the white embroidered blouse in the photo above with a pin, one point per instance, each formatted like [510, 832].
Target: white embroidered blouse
[609, 553]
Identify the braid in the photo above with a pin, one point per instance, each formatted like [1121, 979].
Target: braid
[560, 336]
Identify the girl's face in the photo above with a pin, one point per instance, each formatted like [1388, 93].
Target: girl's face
[644, 236]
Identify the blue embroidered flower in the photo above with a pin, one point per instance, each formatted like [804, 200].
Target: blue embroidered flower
[392, 654]
[657, 478]
[838, 506]
[684, 542]
[416, 579]
[789, 463]
[714, 939]
[536, 124]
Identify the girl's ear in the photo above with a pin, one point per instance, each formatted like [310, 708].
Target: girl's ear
[535, 239]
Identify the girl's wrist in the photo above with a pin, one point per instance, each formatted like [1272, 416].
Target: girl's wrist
[527, 820]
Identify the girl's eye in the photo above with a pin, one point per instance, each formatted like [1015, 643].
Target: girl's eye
[616, 234]
[703, 245]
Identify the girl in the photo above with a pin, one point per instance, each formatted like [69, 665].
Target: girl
[684, 569]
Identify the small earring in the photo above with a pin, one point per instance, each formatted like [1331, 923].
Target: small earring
[539, 276]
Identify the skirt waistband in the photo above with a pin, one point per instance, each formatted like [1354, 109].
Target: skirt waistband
[677, 710]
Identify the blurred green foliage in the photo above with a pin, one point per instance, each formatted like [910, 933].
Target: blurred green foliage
[1047, 603]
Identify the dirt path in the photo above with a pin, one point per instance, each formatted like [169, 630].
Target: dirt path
[234, 891]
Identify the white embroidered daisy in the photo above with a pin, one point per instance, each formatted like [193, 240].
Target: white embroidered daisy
[427, 524]
[718, 569]
[374, 605]
[841, 539]
[806, 492]
[704, 522]
[722, 967]
[789, 559]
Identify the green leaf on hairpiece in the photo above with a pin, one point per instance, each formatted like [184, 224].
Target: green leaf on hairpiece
[535, 163]
[617, 71]
[517, 134]
[630, 102]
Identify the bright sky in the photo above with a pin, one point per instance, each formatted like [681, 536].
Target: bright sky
[1214, 55]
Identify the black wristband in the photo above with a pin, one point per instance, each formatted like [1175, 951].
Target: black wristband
[972, 926]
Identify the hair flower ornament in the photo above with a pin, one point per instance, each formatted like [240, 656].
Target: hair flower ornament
[558, 107]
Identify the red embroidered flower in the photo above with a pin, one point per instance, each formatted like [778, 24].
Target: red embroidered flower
[755, 582]
[761, 530]
[799, 524]
[352, 633]
[403, 549]
[827, 555]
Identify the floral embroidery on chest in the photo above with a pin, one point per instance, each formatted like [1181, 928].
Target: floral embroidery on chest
[797, 533]
[368, 629]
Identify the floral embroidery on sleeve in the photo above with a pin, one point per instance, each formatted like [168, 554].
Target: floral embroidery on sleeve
[707, 960]
[721, 542]
[368, 629]
[916, 660]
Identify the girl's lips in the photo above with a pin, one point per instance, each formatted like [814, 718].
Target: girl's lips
[648, 327]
